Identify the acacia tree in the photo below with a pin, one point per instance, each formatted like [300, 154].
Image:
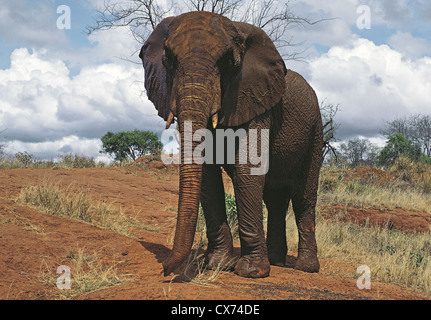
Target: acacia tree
[130, 144]
[142, 16]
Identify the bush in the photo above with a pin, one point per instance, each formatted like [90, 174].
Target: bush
[25, 158]
[398, 146]
[76, 161]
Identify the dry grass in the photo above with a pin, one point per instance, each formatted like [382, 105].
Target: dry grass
[416, 175]
[87, 270]
[66, 162]
[88, 274]
[196, 271]
[335, 189]
[76, 204]
[393, 256]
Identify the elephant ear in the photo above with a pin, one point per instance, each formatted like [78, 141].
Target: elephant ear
[157, 79]
[257, 83]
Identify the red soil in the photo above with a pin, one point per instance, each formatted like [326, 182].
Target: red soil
[150, 196]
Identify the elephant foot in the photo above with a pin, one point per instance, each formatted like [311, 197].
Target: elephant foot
[307, 262]
[220, 261]
[249, 267]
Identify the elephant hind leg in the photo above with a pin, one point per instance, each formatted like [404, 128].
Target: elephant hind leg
[304, 206]
[307, 260]
[277, 203]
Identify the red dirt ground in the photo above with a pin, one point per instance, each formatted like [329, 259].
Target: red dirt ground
[150, 195]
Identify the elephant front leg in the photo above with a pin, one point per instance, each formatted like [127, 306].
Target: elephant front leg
[254, 257]
[219, 253]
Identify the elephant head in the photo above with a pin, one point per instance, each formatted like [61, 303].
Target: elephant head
[204, 68]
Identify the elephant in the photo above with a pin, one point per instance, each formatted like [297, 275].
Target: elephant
[202, 69]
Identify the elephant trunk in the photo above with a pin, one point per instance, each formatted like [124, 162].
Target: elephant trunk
[188, 207]
[193, 115]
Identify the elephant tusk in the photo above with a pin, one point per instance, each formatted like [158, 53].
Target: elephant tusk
[170, 120]
[215, 120]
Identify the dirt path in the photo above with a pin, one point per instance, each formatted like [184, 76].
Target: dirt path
[33, 244]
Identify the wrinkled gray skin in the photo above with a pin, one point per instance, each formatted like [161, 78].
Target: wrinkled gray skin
[204, 68]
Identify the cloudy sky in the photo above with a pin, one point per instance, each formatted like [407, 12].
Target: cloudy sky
[62, 89]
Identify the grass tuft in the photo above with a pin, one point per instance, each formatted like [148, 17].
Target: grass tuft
[76, 204]
[88, 274]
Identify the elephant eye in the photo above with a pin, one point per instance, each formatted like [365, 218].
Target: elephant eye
[227, 63]
[168, 59]
[227, 60]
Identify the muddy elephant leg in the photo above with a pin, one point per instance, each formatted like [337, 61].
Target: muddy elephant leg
[304, 206]
[277, 203]
[307, 248]
[249, 184]
[304, 203]
[220, 247]
[253, 262]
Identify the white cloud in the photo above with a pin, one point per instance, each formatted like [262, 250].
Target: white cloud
[54, 149]
[30, 22]
[372, 84]
[116, 45]
[338, 9]
[57, 98]
[40, 103]
[410, 46]
[400, 13]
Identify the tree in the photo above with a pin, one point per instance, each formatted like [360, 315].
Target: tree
[328, 112]
[142, 16]
[421, 125]
[130, 144]
[359, 152]
[2, 146]
[400, 125]
[396, 146]
[415, 128]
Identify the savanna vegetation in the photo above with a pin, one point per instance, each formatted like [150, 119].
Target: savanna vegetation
[393, 255]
